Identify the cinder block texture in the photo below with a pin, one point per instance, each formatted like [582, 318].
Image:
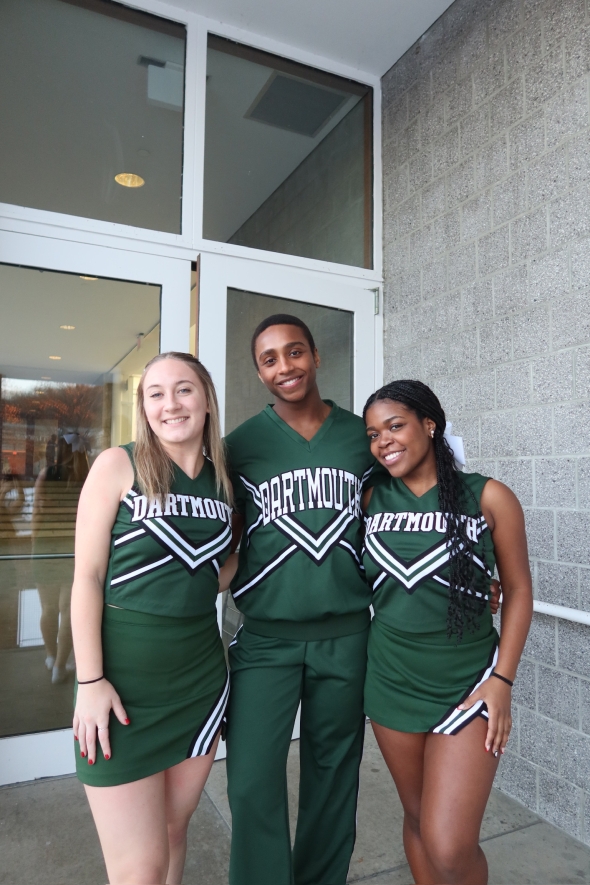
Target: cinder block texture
[486, 158]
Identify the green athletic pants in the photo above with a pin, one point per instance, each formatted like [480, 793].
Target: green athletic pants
[269, 679]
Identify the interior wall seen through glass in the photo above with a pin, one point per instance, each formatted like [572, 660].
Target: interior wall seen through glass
[92, 93]
[72, 350]
[288, 157]
[333, 334]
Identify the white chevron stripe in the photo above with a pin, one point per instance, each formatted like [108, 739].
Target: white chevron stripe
[207, 551]
[128, 536]
[332, 527]
[397, 571]
[253, 491]
[168, 529]
[316, 547]
[140, 571]
[254, 526]
[389, 555]
[367, 474]
[352, 551]
[463, 590]
[269, 568]
[379, 580]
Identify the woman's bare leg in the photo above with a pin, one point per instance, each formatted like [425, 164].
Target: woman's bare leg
[49, 597]
[404, 757]
[131, 824]
[184, 785]
[458, 777]
[142, 825]
[64, 635]
[444, 782]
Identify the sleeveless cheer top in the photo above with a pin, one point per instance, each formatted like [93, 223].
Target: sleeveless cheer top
[406, 558]
[166, 560]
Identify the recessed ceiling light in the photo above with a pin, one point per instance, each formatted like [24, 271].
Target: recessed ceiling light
[129, 179]
[45, 377]
[88, 278]
[54, 357]
[68, 328]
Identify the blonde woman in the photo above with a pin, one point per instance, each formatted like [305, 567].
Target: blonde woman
[153, 530]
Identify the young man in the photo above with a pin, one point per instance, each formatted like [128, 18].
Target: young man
[298, 469]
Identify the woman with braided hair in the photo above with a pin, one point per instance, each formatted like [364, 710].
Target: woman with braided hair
[438, 680]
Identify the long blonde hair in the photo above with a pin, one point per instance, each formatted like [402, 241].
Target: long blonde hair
[153, 466]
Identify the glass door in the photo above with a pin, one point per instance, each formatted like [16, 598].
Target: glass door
[235, 295]
[343, 314]
[75, 334]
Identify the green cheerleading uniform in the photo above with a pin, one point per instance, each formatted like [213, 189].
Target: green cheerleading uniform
[162, 648]
[301, 588]
[416, 675]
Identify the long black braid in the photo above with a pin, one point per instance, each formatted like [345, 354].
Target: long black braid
[464, 608]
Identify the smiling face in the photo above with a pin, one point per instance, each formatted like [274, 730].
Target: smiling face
[400, 440]
[175, 402]
[286, 363]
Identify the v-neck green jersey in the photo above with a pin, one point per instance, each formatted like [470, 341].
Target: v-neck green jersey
[300, 552]
[166, 560]
[406, 557]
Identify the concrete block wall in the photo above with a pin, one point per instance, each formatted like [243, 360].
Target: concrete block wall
[487, 299]
[319, 210]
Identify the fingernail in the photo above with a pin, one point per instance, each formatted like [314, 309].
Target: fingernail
[127, 722]
[495, 753]
[83, 755]
[75, 737]
[502, 752]
[108, 757]
[90, 762]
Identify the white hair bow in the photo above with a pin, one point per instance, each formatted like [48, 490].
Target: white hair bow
[456, 444]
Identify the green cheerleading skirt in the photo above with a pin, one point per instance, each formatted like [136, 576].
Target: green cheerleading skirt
[415, 681]
[171, 676]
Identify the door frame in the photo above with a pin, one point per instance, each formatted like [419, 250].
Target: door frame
[50, 753]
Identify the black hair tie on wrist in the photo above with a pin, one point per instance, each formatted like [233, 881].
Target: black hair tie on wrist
[503, 678]
[89, 681]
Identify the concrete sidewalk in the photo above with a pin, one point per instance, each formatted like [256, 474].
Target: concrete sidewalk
[47, 835]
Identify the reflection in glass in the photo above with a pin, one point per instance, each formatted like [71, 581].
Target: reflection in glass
[92, 90]
[288, 157]
[71, 354]
[244, 394]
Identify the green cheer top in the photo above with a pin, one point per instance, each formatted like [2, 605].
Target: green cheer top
[166, 560]
[299, 574]
[406, 557]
